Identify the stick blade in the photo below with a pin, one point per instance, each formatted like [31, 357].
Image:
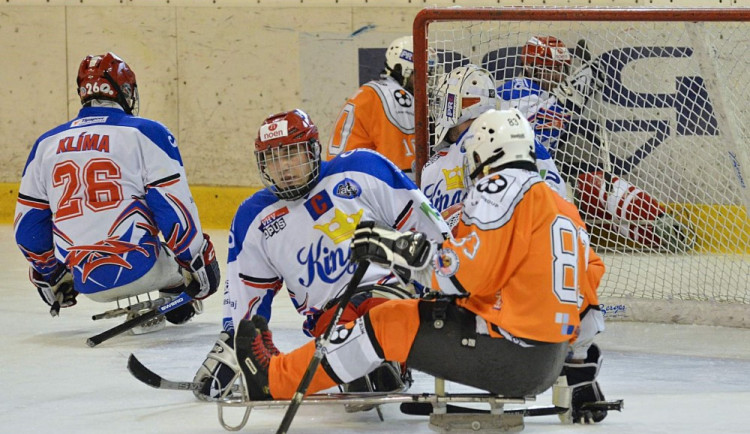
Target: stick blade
[142, 373]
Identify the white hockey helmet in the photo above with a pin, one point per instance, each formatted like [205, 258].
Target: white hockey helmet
[463, 94]
[496, 138]
[400, 53]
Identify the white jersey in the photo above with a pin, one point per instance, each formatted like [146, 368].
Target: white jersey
[539, 106]
[443, 180]
[305, 243]
[96, 192]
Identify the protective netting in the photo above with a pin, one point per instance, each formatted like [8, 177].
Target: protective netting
[649, 129]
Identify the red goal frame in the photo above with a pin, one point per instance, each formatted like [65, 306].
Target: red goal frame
[430, 15]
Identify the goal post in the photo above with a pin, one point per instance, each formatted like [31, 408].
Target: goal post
[663, 116]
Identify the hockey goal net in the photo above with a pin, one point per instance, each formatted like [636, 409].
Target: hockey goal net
[653, 143]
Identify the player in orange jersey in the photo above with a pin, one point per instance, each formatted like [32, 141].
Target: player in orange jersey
[380, 115]
[508, 288]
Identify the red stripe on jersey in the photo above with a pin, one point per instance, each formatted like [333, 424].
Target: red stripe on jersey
[32, 204]
[403, 221]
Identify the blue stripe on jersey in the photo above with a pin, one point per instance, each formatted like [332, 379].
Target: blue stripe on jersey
[34, 233]
[541, 151]
[156, 132]
[371, 163]
[246, 213]
[518, 88]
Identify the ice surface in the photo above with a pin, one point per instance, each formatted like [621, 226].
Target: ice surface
[674, 379]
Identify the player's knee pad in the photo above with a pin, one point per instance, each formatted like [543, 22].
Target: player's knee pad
[388, 377]
[351, 353]
[448, 346]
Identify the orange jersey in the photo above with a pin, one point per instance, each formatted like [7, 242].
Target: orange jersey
[595, 265]
[380, 116]
[521, 259]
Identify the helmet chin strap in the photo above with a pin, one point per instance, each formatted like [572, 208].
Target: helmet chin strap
[120, 98]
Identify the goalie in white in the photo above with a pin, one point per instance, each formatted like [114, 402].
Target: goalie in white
[551, 97]
[461, 96]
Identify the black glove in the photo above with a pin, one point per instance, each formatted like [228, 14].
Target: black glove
[58, 287]
[582, 379]
[219, 371]
[205, 271]
[182, 314]
[401, 252]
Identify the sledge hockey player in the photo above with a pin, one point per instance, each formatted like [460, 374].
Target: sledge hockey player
[461, 96]
[95, 194]
[297, 231]
[550, 96]
[380, 115]
[503, 318]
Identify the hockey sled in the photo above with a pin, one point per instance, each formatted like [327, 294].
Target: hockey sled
[444, 415]
[496, 420]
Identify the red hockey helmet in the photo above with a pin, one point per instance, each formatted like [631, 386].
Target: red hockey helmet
[547, 59]
[287, 151]
[106, 76]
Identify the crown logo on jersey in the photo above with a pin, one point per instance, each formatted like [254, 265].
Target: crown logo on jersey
[454, 178]
[342, 225]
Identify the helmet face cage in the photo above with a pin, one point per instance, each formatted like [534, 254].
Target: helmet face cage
[496, 138]
[287, 151]
[547, 60]
[108, 77]
[463, 94]
[400, 52]
[290, 171]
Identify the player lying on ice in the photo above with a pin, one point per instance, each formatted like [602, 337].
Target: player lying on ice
[95, 194]
[509, 290]
[297, 231]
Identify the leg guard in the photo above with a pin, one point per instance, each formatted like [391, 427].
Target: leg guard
[581, 378]
[447, 346]
[219, 371]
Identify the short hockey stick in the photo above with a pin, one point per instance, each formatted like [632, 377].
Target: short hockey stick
[148, 304]
[320, 345]
[425, 408]
[151, 378]
[180, 300]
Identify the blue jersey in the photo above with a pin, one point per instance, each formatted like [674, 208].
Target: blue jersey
[541, 108]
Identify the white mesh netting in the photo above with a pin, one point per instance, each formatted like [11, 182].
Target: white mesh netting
[651, 140]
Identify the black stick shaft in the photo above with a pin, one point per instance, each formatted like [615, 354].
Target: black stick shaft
[180, 300]
[320, 344]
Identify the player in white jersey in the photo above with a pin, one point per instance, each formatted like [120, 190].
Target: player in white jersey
[497, 325]
[97, 191]
[462, 95]
[297, 232]
[549, 95]
[380, 115]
